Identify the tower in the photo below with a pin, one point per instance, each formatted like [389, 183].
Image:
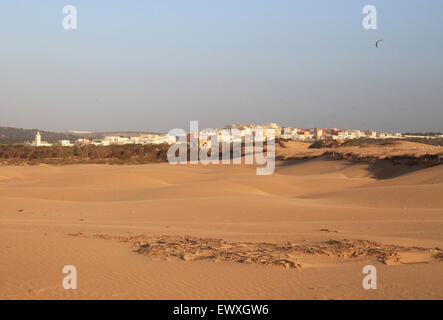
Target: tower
[38, 139]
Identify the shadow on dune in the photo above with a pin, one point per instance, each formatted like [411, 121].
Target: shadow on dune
[386, 169]
[379, 169]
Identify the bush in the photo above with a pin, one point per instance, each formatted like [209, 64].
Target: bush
[324, 144]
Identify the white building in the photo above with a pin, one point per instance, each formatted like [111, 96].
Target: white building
[82, 141]
[65, 143]
[371, 133]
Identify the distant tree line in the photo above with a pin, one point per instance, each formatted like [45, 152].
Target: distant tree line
[358, 142]
[114, 154]
[424, 134]
[85, 154]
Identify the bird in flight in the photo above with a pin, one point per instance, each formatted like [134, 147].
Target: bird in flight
[378, 42]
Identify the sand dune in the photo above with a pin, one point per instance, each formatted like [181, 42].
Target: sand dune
[107, 219]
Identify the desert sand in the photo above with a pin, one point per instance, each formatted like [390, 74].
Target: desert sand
[160, 231]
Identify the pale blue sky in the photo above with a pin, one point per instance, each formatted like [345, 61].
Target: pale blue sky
[154, 65]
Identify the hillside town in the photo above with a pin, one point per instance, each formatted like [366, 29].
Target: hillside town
[259, 132]
[108, 140]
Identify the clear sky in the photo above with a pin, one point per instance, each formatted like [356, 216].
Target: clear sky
[154, 65]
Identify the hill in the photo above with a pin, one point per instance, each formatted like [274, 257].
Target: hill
[9, 135]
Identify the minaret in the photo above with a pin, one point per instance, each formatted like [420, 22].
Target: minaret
[38, 139]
